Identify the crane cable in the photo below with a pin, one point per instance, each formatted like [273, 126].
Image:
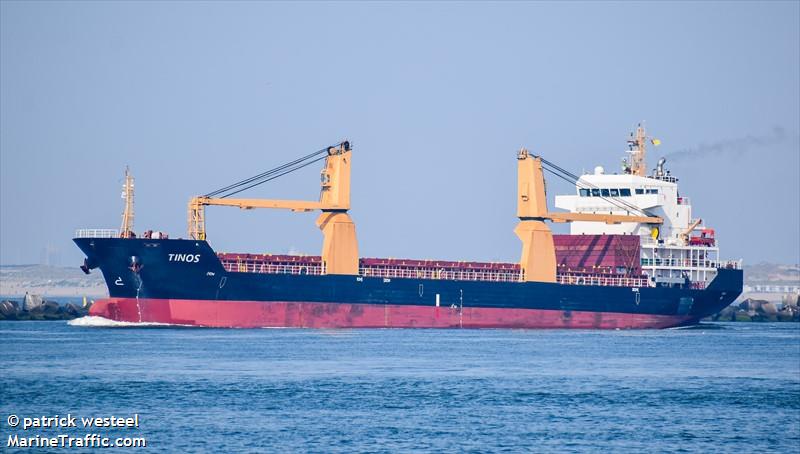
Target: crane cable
[610, 199]
[263, 175]
[273, 177]
[586, 185]
[574, 179]
[271, 174]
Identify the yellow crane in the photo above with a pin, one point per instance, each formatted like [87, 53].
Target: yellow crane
[538, 261]
[684, 236]
[339, 248]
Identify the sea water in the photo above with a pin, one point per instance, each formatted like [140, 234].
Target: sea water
[723, 387]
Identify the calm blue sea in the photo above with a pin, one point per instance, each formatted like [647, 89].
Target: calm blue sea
[716, 388]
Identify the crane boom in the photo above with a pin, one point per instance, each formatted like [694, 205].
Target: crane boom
[249, 204]
[340, 248]
[607, 218]
[684, 236]
[538, 261]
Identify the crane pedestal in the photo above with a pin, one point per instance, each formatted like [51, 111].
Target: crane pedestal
[538, 262]
[339, 248]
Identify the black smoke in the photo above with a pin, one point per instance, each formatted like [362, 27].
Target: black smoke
[736, 147]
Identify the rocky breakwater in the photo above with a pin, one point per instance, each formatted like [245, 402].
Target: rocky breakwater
[34, 307]
[755, 310]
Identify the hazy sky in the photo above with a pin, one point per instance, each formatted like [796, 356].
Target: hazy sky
[435, 97]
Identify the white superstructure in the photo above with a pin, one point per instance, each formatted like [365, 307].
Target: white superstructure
[681, 248]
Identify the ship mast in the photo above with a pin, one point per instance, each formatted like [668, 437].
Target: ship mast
[126, 230]
[638, 150]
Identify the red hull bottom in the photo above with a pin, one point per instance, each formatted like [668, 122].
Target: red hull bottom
[280, 314]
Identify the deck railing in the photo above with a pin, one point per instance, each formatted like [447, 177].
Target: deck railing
[268, 268]
[374, 271]
[667, 178]
[690, 263]
[604, 281]
[453, 275]
[430, 273]
[682, 263]
[97, 233]
[731, 264]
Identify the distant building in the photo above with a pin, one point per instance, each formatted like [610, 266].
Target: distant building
[773, 288]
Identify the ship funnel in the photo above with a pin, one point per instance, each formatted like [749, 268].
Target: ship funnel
[660, 166]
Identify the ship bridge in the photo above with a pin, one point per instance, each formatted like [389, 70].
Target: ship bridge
[659, 196]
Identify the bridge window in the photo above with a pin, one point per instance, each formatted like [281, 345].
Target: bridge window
[639, 191]
[584, 192]
[625, 192]
[595, 193]
[614, 192]
[604, 192]
[652, 191]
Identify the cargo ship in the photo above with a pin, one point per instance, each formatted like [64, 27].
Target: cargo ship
[635, 257]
